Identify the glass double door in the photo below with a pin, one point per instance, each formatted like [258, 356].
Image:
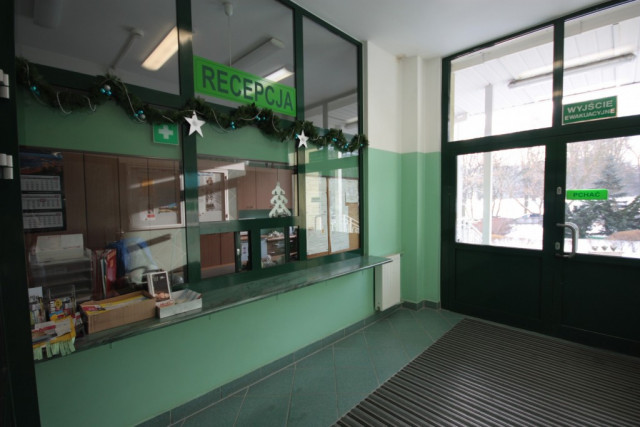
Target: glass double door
[547, 237]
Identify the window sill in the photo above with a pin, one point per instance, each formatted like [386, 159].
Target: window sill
[215, 300]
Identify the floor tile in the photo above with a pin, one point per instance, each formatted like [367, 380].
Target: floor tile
[310, 410]
[388, 361]
[222, 414]
[355, 381]
[320, 360]
[264, 411]
[279, 383]
[314, 381]
[357, 357]
[354, 340]
[377, 340]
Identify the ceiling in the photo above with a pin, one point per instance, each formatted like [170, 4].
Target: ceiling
[437, 28]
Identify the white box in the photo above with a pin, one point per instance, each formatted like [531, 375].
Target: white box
[185, 300]
[59, 247]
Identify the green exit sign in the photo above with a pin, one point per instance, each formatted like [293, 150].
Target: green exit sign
[588, 194]
[590, 110]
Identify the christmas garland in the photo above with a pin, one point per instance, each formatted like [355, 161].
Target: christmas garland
[110, 88]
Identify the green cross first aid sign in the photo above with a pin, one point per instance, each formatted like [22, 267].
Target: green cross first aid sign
[166, 133]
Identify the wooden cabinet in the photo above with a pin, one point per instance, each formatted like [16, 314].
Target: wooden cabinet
[255, 187]
[217, 254]
[246, 190]
[102, 200]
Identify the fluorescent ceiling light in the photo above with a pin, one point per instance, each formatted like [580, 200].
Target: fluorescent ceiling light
[279, 74]
[573, 69]
[258, 54]
[165, 50]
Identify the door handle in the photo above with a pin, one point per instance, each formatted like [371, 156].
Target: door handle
[574, 238]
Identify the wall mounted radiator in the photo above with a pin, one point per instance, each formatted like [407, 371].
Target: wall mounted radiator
[387, 283]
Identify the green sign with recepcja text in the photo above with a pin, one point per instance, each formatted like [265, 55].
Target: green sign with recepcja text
[590, 110]
[589, 194]
[228, 83]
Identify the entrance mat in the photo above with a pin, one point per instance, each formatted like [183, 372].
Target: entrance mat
[483, 374]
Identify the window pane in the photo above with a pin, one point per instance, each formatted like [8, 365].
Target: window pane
[502, 89]
[232, 189]
[601, 58]
[333, 206]
[331, 79]
[608, 222]
[255, 40]
[272, 247]
[92, 38]
[82, 208]
[501, 198]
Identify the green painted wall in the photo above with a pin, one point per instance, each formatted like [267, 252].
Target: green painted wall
[403, 210]
[136, 379]
[420, 221]
[246, 143]
[108, 130]
[384, 205]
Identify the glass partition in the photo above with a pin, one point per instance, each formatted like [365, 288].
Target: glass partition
[331, 79]
[256, 40]
[90, 38]
[96, 224]
[333, 207]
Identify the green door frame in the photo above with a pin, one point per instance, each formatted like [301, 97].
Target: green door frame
[554, 139]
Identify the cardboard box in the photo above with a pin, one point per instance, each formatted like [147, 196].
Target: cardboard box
[118, 311]
[185, 300]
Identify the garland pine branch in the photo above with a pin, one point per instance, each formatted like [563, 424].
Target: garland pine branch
[110, 87]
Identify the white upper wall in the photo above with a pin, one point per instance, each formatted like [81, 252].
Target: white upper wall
[402, 102]
[381, 98]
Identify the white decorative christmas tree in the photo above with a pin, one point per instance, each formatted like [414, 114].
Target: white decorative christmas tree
[279, 203]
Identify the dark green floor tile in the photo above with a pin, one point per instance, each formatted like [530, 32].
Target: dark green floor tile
[314, 381]
[356, 382]
[264, 411]
[381, 326]
[321, 359]
[311, 410]
[376, 340]
[279, 383]
[388, 361]
[355, 340]
[222, 414]
[417, 337]
[356, 357]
